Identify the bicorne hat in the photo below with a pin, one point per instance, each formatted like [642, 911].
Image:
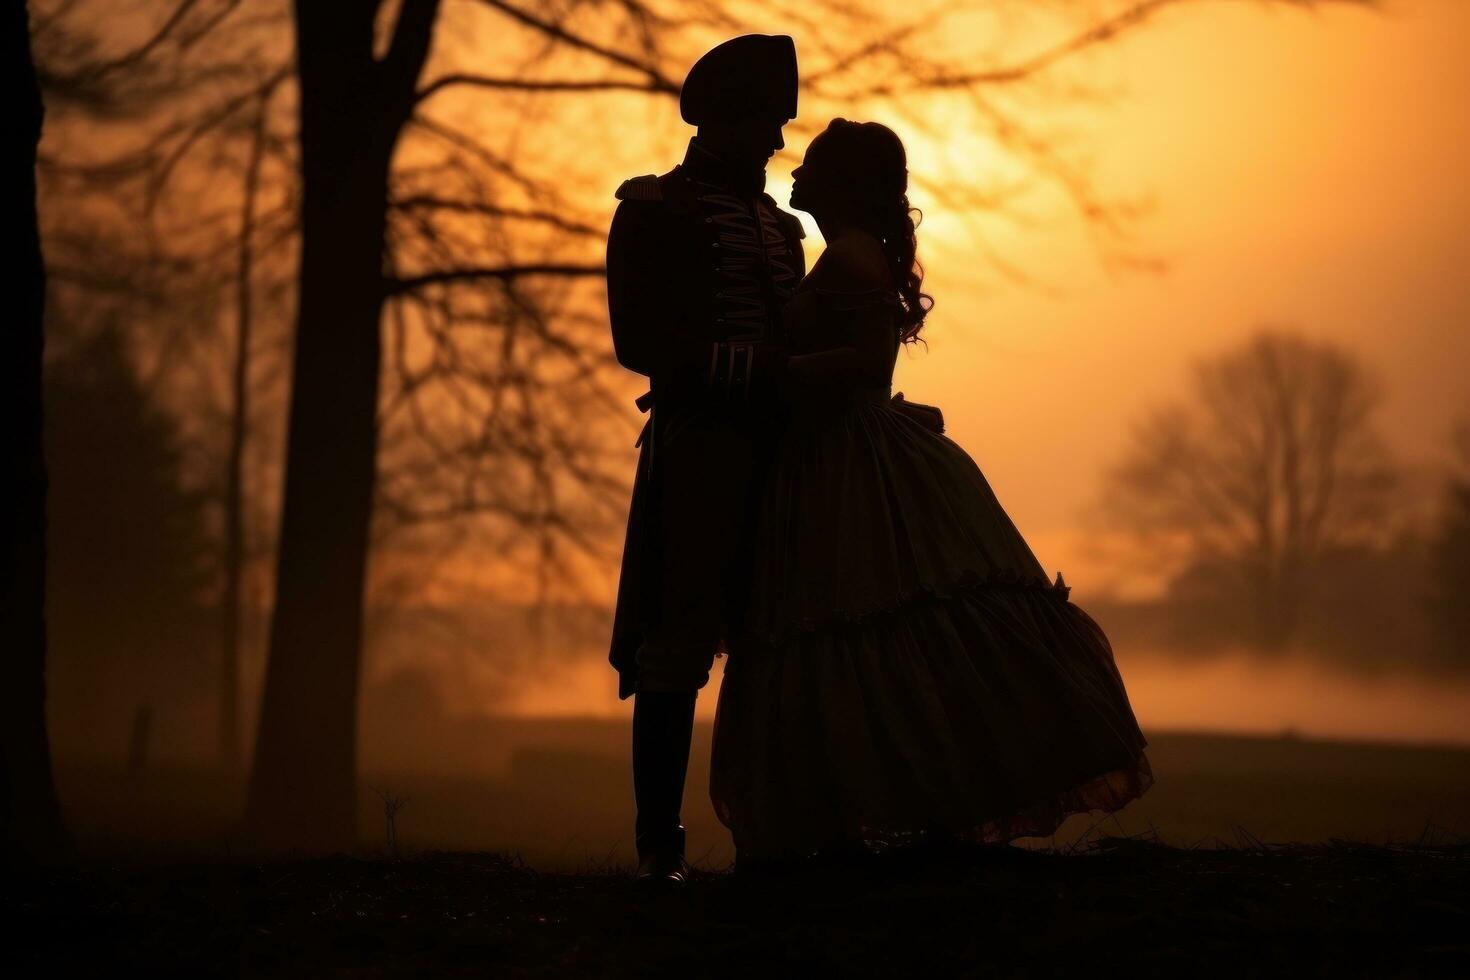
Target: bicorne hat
[750, 75]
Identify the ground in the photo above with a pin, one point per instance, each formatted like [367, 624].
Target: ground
[1108, 907]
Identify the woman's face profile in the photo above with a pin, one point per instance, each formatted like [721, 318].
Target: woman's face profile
[811, 182]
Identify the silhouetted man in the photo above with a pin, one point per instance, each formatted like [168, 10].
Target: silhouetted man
[699, 261]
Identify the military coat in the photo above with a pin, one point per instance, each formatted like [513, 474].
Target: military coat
[700, 262]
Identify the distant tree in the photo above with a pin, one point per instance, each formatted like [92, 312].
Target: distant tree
[1450, 556]
[233, 565]
[30, 818]
[1272, 465]
[125, 259]
[130, 546]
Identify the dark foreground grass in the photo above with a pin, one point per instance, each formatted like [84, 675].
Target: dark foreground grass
[1113, 907]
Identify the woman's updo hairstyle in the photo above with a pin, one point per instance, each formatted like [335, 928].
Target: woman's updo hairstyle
[868, 160]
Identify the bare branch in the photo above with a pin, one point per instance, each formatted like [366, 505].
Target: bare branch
[489, 210]
[535, 85]
[500, 272]
[96, 72]
[399, 69]
[657, 79]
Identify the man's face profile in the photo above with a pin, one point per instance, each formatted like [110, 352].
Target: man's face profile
[748, 140]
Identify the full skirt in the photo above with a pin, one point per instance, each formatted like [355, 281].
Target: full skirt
[905, 665]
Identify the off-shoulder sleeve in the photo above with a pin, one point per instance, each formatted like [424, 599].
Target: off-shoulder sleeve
[858, 299]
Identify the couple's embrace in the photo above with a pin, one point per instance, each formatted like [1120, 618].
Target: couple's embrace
[899, 663]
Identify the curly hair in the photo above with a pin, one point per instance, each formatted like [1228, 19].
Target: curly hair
[872, 158]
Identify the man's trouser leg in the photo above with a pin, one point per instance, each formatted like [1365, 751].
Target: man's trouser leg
[704, 474]
[663, 726]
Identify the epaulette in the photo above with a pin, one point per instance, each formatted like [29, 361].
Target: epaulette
[645, 188]
[790, 223]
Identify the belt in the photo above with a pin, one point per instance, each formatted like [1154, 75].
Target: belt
[645, 405]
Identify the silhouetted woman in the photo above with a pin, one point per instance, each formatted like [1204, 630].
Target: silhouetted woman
[908, 667]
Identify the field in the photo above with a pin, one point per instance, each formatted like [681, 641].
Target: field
[558, 794]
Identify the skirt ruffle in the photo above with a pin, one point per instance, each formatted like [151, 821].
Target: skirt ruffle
[906, 666]
[989, 714]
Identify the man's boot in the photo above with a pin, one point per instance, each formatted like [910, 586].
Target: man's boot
[663, 725]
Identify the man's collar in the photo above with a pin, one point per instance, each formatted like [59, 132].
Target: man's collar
[703, 164]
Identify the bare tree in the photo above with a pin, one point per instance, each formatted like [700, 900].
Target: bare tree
[353, 107]
[234, 497]
[30, 818]
[142, 244]
[1273, 463]
[1450, 555]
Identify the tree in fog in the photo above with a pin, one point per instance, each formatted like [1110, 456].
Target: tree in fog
[30, 818]
[234, 557]
[127, 260]
[129, 550]
[1450, 556]
[184, 289]
[1271, 464]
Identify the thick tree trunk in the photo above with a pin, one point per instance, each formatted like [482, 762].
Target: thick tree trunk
[29, 812]
[303, 787]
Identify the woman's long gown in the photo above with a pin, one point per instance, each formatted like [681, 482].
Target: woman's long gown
[906, 665]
